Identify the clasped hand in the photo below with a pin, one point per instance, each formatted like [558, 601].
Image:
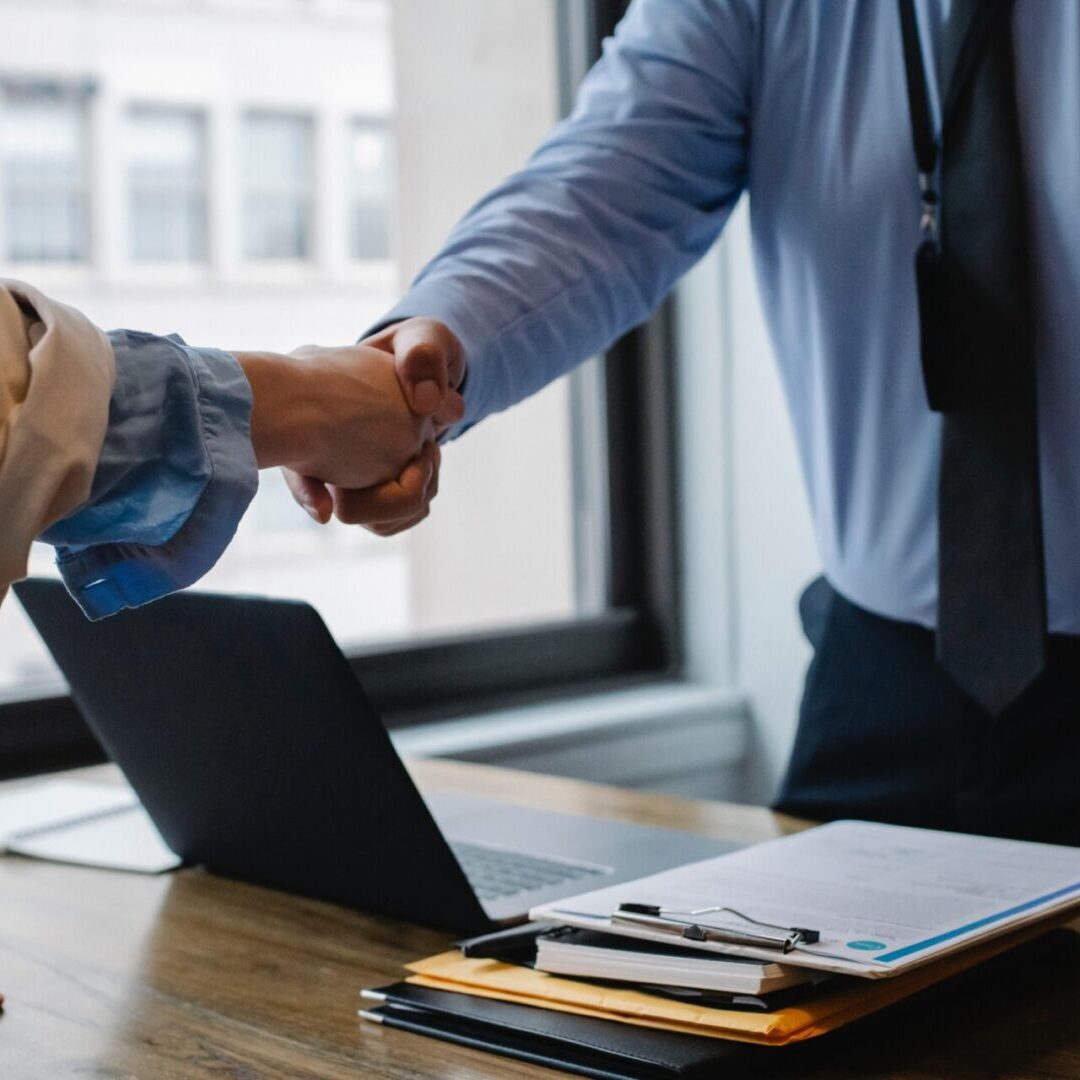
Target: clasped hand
[355, 427]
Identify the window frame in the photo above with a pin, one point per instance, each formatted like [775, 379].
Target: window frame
[199, 187]
[71, 92]
[637, 637]
[383, 126]
[303, 194]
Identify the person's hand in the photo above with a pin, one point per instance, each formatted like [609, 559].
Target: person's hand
[430, 366]
[335, 414]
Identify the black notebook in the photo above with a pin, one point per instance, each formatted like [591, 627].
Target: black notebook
[580, 1044]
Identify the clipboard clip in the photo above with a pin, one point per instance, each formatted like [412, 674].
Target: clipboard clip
[683, 924]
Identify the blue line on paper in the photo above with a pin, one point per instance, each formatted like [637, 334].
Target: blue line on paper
[918, 946]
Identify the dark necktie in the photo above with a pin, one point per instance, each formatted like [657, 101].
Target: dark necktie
[991, 629]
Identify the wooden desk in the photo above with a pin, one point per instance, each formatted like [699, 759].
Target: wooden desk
[189, 976]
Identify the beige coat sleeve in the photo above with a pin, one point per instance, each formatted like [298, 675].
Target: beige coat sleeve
[56, 377]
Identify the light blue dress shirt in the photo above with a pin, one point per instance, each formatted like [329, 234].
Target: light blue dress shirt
[802, 105]
[176, 474]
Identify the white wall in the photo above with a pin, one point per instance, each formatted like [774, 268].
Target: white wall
[476, 89]
[774, 550]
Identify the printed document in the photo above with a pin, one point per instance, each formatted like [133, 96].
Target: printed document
[884, 898]
[58, 802]
[85, 823]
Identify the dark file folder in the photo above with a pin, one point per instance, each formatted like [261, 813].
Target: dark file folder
[581, 1044]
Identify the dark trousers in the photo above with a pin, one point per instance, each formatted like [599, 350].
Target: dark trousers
[885, 735]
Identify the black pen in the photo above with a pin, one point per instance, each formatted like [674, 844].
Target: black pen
[514, 945]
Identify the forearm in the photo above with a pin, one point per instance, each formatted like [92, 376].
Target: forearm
[619, 201]
[136, 455]
[286, 414]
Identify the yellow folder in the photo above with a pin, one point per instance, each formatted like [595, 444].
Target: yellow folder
[824, 1012]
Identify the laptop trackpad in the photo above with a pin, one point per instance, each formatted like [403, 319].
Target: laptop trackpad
[629, 850]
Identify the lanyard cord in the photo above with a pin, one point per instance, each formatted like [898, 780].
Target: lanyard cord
[922, 127]
[927, 146]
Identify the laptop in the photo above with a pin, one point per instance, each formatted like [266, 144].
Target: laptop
[249, 740]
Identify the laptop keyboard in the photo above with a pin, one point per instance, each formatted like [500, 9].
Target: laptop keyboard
[494, 873]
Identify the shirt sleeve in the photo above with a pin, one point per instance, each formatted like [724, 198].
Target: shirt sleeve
[620, 200]
[175, 475]
[56, 377]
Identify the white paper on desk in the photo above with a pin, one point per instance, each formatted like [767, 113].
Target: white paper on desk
[885, 898]
[57, 801]
[126, 840]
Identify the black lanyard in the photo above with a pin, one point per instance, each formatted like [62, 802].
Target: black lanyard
[927, 145]
[943, 390]
[922, 125]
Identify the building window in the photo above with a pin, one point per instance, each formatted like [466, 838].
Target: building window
[279, 181]
[43, 169]
[370, 190]
[166, 170]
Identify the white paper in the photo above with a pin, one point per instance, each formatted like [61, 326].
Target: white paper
[127, 840]
[57, 801]
[885, 898]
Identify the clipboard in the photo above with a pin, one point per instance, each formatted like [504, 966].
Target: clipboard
[881, 899]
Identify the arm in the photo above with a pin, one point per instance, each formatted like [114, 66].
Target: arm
[619, 201]
[137, 455]
[188, 430]
[577, 248]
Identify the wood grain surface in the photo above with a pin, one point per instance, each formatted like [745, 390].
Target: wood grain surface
[125, 977]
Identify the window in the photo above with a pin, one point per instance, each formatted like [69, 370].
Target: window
[278, 186]
[166, 163]
[43, 169]
[565, 576]
[370, 184]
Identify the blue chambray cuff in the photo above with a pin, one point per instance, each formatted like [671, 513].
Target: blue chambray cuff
[107, 577]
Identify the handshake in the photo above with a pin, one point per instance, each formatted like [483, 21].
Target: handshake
[355, 427]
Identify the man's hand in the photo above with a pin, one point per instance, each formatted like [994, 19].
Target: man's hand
[430, 364]
[430, 367]
[338, 415]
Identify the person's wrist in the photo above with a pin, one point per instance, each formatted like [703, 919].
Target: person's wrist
[284, 415]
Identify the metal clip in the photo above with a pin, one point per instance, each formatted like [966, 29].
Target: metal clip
[668, 920]
[929, 222]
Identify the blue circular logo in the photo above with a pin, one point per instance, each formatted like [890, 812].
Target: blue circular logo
[867, 946]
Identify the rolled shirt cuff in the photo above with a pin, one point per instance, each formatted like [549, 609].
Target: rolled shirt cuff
[160, 527]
